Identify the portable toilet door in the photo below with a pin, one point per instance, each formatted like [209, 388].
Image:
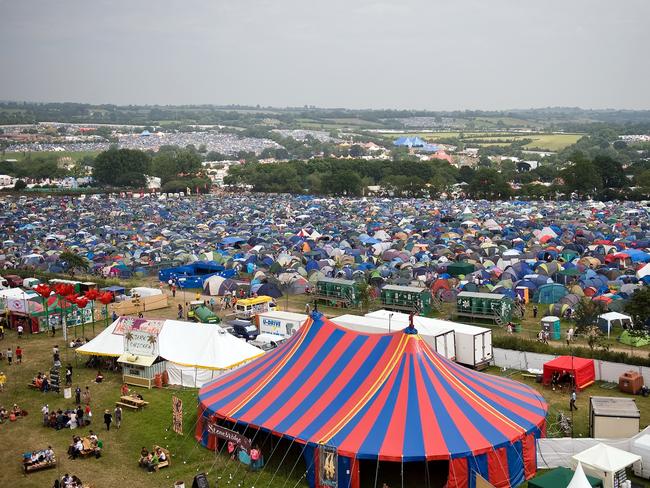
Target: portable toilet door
[551, 324]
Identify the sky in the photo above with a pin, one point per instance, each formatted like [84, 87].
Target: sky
[411, 54]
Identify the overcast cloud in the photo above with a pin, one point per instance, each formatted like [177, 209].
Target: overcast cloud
[453, 54]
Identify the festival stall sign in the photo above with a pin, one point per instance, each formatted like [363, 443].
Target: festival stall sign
[226, 434]
[177, 415]
[140, 362]
[132, 323]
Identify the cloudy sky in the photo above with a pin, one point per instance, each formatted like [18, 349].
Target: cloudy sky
[429, 54]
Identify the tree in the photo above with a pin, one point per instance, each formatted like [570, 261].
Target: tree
[72, 261]
[586, 314]
[638, 307]
[121, 168]
[582, 177]
[20, 185]
[489, 184]
[356, 151]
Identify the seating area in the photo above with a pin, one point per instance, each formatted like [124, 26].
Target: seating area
[38, 460]
[84, 447]
[133, 402]
[158, 458]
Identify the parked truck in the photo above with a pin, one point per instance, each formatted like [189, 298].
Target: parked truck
[439, 339]
[280, 323]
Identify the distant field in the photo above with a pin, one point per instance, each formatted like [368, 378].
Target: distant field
[76, 155]
[549, 142]
[554, 142]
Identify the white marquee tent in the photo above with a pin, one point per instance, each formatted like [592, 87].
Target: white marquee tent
[603, 462]
[195, 353]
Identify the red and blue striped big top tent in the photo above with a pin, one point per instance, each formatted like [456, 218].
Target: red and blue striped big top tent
[382, 398]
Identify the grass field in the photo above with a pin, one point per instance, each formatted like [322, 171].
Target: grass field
[75, 155]
[118, 465]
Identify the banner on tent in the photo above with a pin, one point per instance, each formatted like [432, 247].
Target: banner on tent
[177, 415]
[141, 342]
[131, 323]
[226, 434]
[328, 461]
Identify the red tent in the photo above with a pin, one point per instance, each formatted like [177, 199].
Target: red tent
[582, 369]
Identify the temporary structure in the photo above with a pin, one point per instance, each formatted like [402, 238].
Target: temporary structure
[195, 352]
[582, 369]
[607, 320]
[579, 479]
[380, 398]
[605, 462]
[562, 478]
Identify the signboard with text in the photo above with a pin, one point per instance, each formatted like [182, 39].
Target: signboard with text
[230, 435]
[140, 343]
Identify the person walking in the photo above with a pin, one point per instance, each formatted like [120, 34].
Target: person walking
[569, 336]
[2, 331]
[86, 396]
[19, 355]
[10, 356]
[20, 331]
[68, 375]
[77, 395]
[535, 311]
[45, 411]
[108, 418]
[118, 416]
[180, 312]
[572, 401]
[80, 416]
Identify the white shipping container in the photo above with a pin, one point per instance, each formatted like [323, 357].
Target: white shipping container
[439, 339]
[280, 323]
[473, 345]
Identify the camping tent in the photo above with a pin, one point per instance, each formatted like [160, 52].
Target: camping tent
[607, 320]
[634, 340]
[218, 285]
[380, 399]
[195, 352]
[582, 369]
[561, 478]
[604, 462]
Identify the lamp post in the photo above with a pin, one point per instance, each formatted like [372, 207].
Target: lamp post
[390, 316]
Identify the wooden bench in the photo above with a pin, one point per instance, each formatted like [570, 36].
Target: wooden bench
[127, 405]
[166, 462]
[30, 468]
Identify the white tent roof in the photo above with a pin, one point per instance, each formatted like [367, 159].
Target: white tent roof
[579, 479]
[609, 316]
[644, 271]
[605, 458]
[190, 344]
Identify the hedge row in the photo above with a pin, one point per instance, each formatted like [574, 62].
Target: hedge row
[527, 345]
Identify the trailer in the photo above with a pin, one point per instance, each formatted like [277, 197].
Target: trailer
[280, 323]
[406, 299]
[441, 340]
[337, 292]
[487, 306]
[473, 345]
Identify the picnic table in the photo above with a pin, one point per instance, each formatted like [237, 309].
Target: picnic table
[132, 402]
[30, 467]
[89, 448]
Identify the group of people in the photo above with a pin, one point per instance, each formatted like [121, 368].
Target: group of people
[12, 414]
[37, 457]
[66, 419]
[9, 355]
[150, 460]
[564, 379]
[68, 481]
[76, 447]
[41, 382]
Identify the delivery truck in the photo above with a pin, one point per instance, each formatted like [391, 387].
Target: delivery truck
[439, 339]
[473, 345]
[280, 323]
